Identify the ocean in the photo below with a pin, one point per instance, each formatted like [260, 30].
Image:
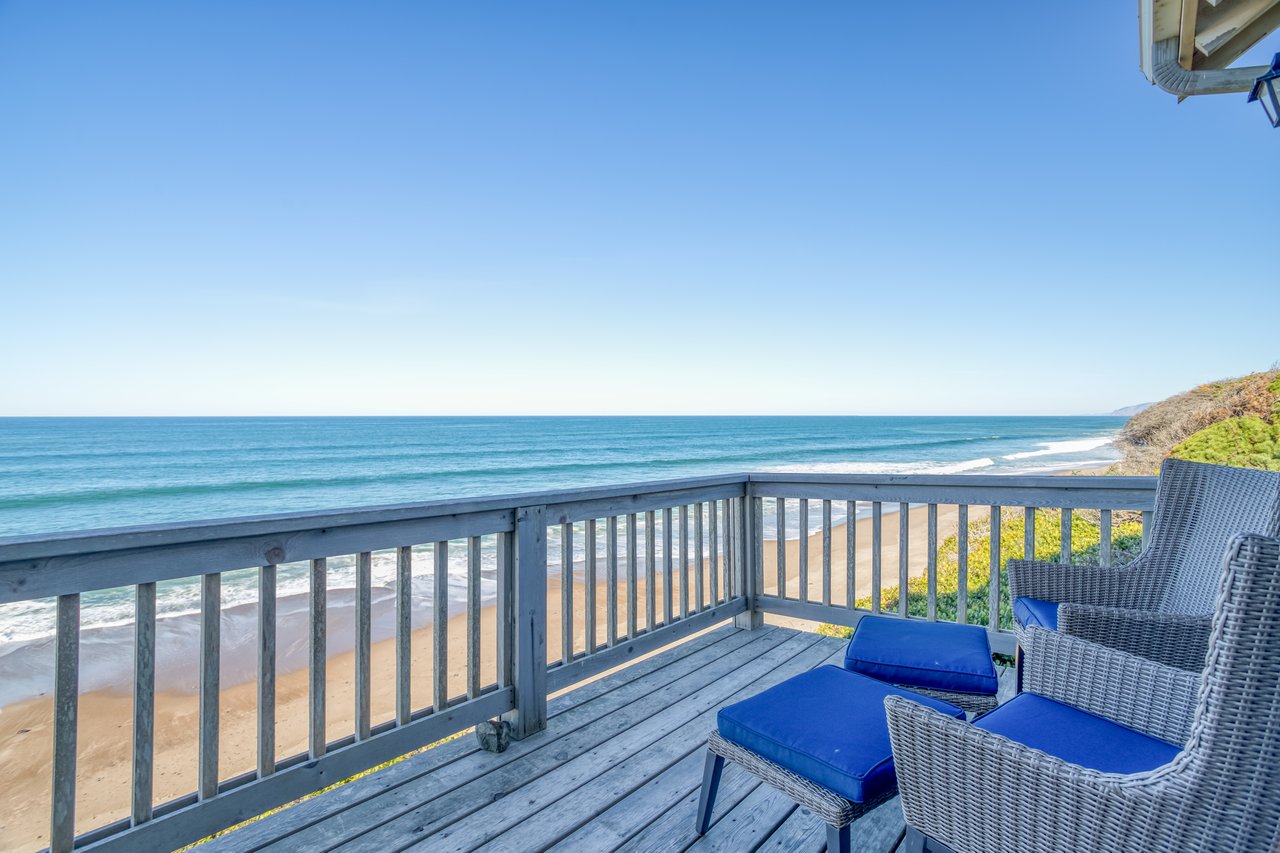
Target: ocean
[61, 474]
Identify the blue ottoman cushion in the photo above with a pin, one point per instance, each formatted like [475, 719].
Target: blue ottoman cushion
[1035, 611]
[827, 725]
[1076, 736]
[935, 655]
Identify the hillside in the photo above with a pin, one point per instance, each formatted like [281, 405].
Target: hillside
[1228, 422]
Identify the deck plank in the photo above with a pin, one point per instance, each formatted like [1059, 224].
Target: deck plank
[674, 830]
[522, 790]
[566, 711]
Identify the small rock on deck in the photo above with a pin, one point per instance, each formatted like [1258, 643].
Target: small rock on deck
[618, 768]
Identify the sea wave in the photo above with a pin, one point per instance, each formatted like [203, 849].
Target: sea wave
[1058, 448]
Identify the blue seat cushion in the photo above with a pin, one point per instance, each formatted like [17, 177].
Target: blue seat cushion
[1035, 611]
[827, 725]
[937, 655]
[1076, 736]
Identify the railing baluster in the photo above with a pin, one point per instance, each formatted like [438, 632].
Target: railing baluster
[684, 560]
[713, 509]
[650, 572]
[611, 582]
[962, 555]
[666, 566]
[210, 679]
[780, 512]
[851, 553]
[876, 543]
[440, 627]
[932, 570]
[1066, 535]
[904, 564]
[804, 549]
[993, 585]
[1029, 533]
[1147, 517]
[508, 604]
[266, 671]
[473, 617]
[1104, 538]
[732, 529]
[144, 699]
[566, 593]
[826, 553]
[364, 648]
[404, 632]
[317, 646]
[66, 704]
[633, 577]
[591, 542]
[699, 573]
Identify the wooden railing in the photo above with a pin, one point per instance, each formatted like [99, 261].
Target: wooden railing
[652, 563]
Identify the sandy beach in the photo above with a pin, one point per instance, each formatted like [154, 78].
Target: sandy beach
[105, 726]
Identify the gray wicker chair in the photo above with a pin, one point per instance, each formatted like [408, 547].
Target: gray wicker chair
[974, 790]
[1159, 605]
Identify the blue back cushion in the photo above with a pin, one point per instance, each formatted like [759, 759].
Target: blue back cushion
[1035, 611]
[827, 725]
[939, 655]
[1076, 736]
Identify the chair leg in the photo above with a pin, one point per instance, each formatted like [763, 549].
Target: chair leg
[1017, 669]
[838, 839]
[710, 783]
[914, 841]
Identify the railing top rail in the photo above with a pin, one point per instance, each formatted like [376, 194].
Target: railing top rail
[39, 546]
[1054, 483]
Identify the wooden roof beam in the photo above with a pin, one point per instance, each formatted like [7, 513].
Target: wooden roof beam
[1228, 50]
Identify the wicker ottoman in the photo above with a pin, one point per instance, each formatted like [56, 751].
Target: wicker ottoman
[821, 738]
[940, 659]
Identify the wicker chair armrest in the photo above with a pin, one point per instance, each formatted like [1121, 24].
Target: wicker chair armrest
[1130, 586]
[974, 790]
[1151, 697]
[1174, 639]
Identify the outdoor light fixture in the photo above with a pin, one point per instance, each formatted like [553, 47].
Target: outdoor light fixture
[1267, 89]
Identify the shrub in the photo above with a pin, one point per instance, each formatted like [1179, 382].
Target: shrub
[1248, 442]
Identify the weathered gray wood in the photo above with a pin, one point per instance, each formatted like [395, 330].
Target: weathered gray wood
[641, 500]
[440, 626]
[1029, 533]
[851, 552]
[762, 812]
[474, 680]
[962, 562]
[508, 621]
[993, 587]
[266, 671]
[66, 704]
[530, 714]
[1147, 521]
[674, 828]
[364, 647]
[802, 832]
[633, 578]
[566, 592]
[1104, 538]
[698, 557]
[931, 569]
[1066, 535]
[650, 572]
[804, 549]
[210, 683]
[826, 552]
[318, 647]
[904, 565]
[667, 559]
[592, 543]
[780, 512]
[713, 533]
[877, 547]
[144, 698]
[404, 632]
[684, 560]
[611, 582]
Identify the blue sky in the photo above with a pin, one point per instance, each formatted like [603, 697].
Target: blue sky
[621, 207]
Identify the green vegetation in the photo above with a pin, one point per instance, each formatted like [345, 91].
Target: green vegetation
[1126, 539]
[1229, 422]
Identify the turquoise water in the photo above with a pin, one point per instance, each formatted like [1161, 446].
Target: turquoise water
[59, 474]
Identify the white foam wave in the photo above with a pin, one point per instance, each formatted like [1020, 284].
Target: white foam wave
[1056, 448]
[881, 467]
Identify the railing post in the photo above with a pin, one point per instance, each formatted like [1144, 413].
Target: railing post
[749, 570]
[527, 624]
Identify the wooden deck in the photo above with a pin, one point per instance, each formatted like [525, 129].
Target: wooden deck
[618, 768]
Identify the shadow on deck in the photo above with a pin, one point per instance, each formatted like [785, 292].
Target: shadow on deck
[618, 768]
